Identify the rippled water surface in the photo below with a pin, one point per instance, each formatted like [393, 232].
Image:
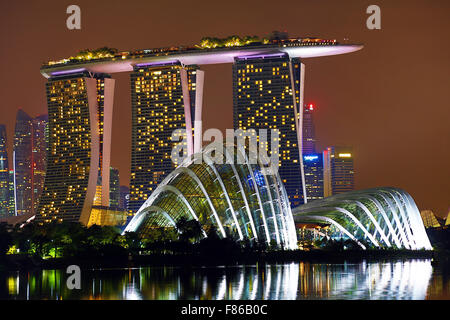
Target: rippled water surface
[411, 279]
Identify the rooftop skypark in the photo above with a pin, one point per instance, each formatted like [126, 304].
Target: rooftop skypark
[209, 51]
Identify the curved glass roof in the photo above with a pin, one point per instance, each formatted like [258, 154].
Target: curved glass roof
[216, 188]
[381, 217]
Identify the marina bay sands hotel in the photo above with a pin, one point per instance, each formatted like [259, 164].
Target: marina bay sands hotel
[167, 94]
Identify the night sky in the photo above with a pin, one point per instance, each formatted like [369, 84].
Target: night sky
[390, 101]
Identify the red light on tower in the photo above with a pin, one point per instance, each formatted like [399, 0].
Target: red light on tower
[311, 107]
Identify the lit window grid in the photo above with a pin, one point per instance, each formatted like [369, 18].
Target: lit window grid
[22, 147]
[68, 162]
[314, 178]
[262, 97]
[342, 175]
[157, 110]
[4, 175]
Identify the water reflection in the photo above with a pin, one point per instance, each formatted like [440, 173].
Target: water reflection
[412, 279]
[393, 280]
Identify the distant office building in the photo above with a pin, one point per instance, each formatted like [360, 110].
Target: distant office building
[313, 166]
[80, 122]
[4, 174]
[164, 98]
[30, 156]
[114, 188]
[38, 157]
[309, 137]
[266, 95]
[12, 194]
[124, 197]
[22, 157]
[338, 170]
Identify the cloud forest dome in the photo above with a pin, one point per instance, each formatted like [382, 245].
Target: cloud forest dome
[380, 217]
[219, 190]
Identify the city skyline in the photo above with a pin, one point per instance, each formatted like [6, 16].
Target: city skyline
[167, 95]
[337, 113]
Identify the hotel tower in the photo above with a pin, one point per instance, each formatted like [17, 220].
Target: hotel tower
[164, 98]
[267, 93]
[80, 122]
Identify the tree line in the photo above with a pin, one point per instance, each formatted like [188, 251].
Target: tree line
[72, 239]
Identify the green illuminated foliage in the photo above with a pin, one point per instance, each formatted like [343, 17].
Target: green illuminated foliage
[231, 41]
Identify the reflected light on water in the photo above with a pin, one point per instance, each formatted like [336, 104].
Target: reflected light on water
[132, 292]
[411, 279]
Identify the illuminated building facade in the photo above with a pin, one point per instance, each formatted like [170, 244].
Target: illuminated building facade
[30, 156]
[12, 194]
[267, 90]
[338, 170]
[39, 136]
[429, 219]
[4, 174]
[164, 98]
[76, 123]
[313, 166]
[240, 201]
[379, 218]
[309, 136]
[22, 158]
[107, 216]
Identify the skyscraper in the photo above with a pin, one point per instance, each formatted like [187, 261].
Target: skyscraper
[114, 189]
[164, 98]
[22, 157]
[309, 137]
[38, 156]
[30, 155]
[12, 194]
[4, 174]
[124, 197]
[79, 115]
[313, 164]
[267, 90]
[338, 170]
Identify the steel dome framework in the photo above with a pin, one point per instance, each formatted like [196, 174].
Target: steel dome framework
[214, 188]
[383, 217]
